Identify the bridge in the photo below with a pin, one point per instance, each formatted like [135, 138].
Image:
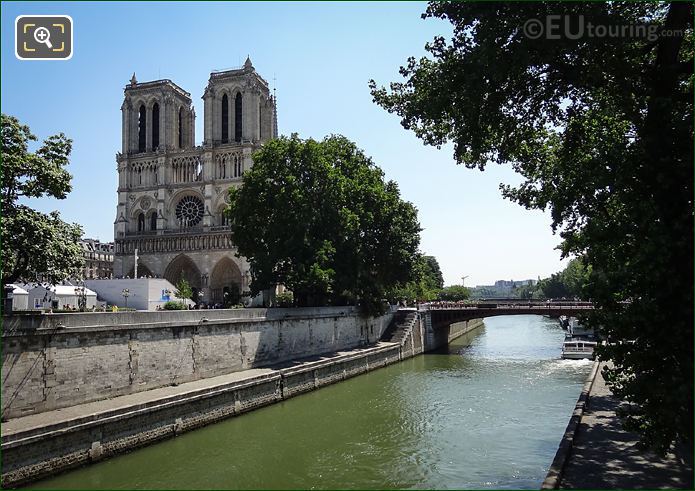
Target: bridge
[443, 314]
[433, 325]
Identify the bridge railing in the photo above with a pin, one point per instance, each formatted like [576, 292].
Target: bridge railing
[508, 306]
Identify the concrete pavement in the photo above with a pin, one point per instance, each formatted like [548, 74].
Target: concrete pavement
[605, 456]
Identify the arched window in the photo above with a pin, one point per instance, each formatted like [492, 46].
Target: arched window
[142, 128]
[225, 119]
[153, 221]
[155, 126]
[237, 117]
[181, 127]
[141, 222]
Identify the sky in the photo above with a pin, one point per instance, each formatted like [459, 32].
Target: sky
[319, 57]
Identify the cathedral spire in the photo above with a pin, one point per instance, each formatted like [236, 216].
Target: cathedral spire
[247, 63]
[133, 80]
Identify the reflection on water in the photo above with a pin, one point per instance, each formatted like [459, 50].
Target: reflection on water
[488, 412]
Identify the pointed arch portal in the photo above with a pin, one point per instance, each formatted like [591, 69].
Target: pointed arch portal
[183, 266]
[225, 278]
[143, 271]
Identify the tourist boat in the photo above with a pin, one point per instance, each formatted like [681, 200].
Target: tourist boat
[576, 331]
[577, 349]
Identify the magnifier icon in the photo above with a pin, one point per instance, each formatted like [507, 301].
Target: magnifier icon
[43, 35]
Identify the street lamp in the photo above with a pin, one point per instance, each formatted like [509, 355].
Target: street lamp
[126, 294]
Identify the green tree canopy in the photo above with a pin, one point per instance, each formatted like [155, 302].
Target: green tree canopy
[571, 282]
[425, 284]
[454, 293]
[433, 273]
[601, 130]
[35, 245]
[319, 218]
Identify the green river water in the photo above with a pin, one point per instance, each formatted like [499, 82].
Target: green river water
[486, 412]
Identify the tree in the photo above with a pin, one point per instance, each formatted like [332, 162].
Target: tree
[319, 218]
[571, 282]
[575, 277]
[433, 273]
[36, 246]
[454, 293]
[183, 289]
[553, 287]
[601, 130]
[425, 284]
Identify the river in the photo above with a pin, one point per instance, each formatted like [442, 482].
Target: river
[487, 412]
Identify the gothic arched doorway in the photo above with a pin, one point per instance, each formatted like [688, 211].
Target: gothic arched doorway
[225, 281]
[182, 267]
[143, 271]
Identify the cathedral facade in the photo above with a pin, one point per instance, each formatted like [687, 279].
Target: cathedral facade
[172, 193]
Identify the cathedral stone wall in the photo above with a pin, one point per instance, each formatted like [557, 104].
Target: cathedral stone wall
[172, 193]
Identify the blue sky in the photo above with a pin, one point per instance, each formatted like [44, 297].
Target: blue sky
[321, 56]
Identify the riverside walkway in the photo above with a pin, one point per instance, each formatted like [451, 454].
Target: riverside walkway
[605, 456]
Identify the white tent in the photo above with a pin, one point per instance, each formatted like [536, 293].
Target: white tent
[20, 298]
[60, 297]
[143, 293]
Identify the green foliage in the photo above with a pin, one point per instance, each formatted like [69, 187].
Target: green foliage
[426, 282]
[35, 245]
[601, 131]
[319, 218]
[569, 283]
[183, 289]
[434, 280]
[285, 299]
[485, 292]
[173, 305]
[454, 293]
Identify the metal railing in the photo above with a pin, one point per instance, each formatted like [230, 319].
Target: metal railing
[509, 306]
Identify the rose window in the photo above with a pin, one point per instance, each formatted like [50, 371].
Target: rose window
[189, 211]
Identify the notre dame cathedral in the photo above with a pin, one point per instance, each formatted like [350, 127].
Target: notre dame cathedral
[172, 193]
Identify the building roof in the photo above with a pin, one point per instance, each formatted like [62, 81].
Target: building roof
[238, 71]
[157, 83]
[65, 289]
[96, 245]
[17, 290]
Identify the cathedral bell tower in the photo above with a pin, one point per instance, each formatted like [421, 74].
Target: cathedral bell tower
[172, 193]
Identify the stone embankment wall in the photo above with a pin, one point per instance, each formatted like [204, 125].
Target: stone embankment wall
[460, 328]
[55, 361]
[416, 334]
[436, 338]
[40, 451]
